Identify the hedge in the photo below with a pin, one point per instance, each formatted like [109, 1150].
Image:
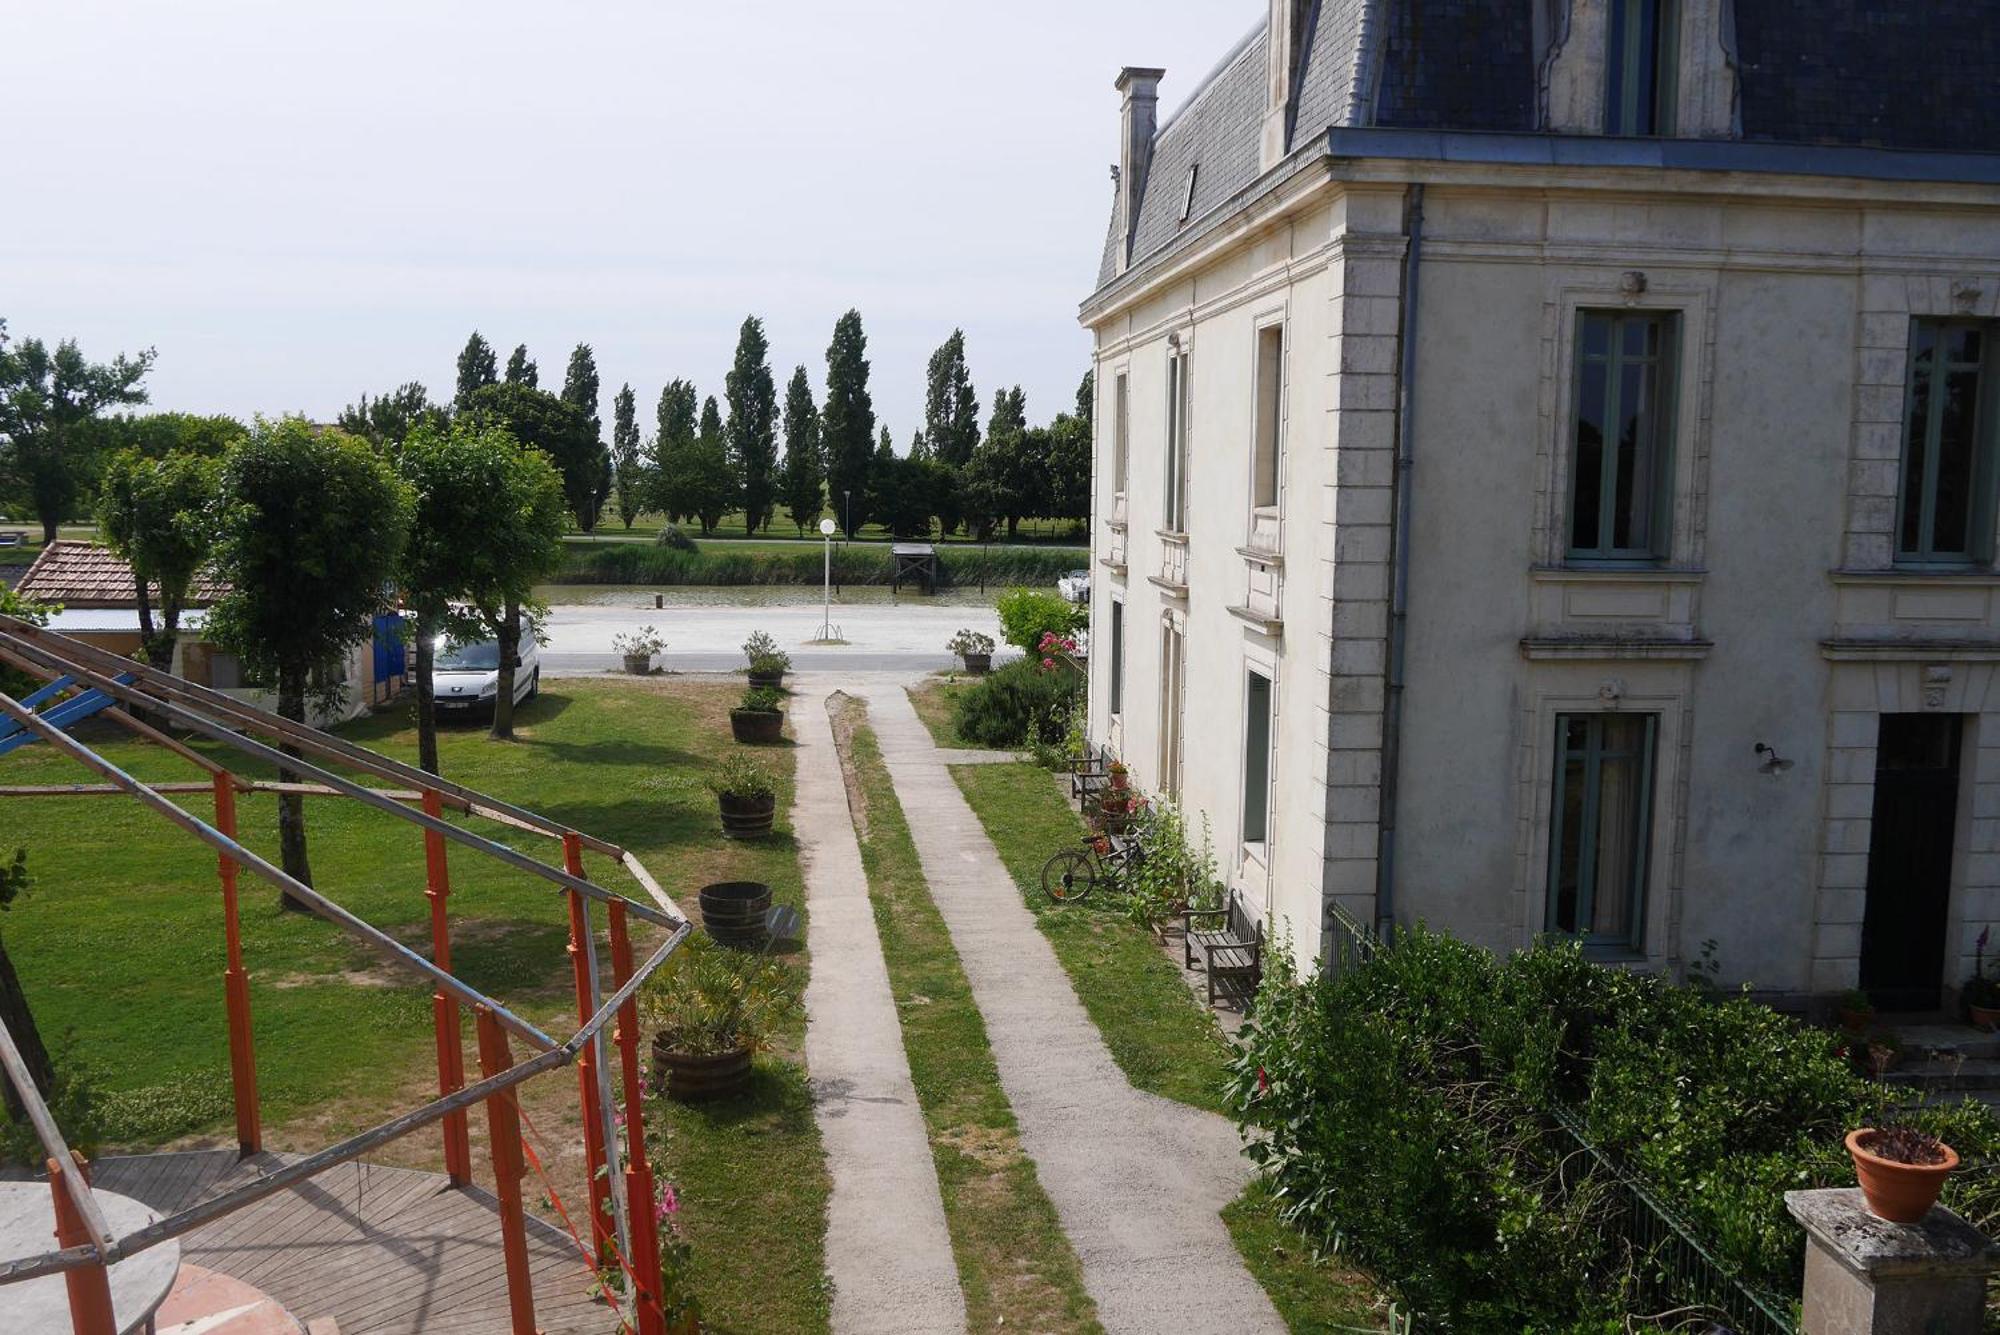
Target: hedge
[854, 563]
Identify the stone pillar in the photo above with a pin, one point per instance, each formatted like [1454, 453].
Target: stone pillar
[1867, 1276]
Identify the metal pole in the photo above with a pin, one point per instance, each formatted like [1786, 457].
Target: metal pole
[236, 984]
[826, 589]
[644, 1250]
[89, 1284]
[587, 1062]
[444, 1007]
[503, 1121]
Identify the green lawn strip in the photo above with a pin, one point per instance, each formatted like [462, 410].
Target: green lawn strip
[936, 703]
[1015, 1264]
[1156, 1029]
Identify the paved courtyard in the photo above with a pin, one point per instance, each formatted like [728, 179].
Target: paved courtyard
[906, 636]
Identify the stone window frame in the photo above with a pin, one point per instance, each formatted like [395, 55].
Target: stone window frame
[1889, 304]
[1264, 662]
[1693, 297]
[1279, 315]
[1597, 688]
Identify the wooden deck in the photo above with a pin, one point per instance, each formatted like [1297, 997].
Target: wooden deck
[382, 1250]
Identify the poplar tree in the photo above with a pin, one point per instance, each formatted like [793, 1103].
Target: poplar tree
[753, 414]
[477, 368]
[1010, 413]
[951, 405]
[805, 469]
[591, 484]
[847, 426]
[674, 436]
[522, 371]
[629, 472]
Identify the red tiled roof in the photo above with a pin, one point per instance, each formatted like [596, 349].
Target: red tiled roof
[84, 574]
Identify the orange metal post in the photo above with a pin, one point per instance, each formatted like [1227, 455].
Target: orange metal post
[601, 1232]
[645, 1229]
[444, 1006]
[89, 1285]
[503, 1122]
[236, 985]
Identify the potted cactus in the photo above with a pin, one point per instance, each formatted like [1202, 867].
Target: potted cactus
[768, 663]
[974, 649]
[745, 796]
[760, 718]
[638, 649]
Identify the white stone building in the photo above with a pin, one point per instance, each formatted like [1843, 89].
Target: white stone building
[1377, 598]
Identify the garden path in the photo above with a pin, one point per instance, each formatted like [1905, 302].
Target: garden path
[887, 1247]
[1138, 1180]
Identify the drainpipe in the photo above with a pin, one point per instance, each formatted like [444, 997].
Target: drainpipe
[1399, 593]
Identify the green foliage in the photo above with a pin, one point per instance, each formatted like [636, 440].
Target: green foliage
[521, 369]
[1028, 614]
[159, 514]
[628, 473]
[847, 426]
[742, 778]
[902, 493]
[1017, 702]
[951, 404]
[12, 681]
[388, 419]
[157, 435]
[753, 422]
[764, 655]
[679, 560]
[540, 421]
[1010, 413]
[762, 700]
[48, 405]
[646, 641]
[805, 462]
[476, 369]
[967, 641]
[708, 1000]
[1176, 871]
[84, 1113]
[588, 479]
[675, 537]
[1067, 462]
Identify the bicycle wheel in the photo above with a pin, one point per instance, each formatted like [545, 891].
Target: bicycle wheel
[1069, 876]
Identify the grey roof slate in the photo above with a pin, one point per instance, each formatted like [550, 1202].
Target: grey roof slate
[1457, 65]
[1217, 133]
[1326, 86]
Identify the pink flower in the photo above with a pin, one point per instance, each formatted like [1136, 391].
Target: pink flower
[1263, 1081]
[618, 1119]
[1048, 662]
[669, 1206]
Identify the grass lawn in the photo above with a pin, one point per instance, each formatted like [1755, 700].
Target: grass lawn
[936, 703]
[1015, 1264]
[1158, 1033]
[119, 943]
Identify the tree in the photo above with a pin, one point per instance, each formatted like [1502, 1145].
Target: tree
[951, 405]
[1010, 413]
[1068, 468]
[629, 473]
[48, 401]
[675, 435]
[805, 468]
[1086, 397]
[521, 370]
[580, 390]
[753, 419]
[847, 426]
[487, 524]
[158, 514]
[312, 529]
[476, 369]
[900, 493]
[157, 435]
[707, 483]
[541, 421]
[388, 420]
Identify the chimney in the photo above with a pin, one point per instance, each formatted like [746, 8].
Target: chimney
[1283, 54]
[1138, 114]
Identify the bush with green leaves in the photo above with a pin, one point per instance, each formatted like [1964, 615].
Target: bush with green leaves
[675, 538]
[764, 655]
[742, 779]
[1406, 1107]
[761, 700]
[1019, 703]
[1026, 615]
[1176, 870]
[709, 1000]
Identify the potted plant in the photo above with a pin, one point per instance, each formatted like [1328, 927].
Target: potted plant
[1885, 1053]
[732, 912]
[709, 1008]
[768, 663]
[1857, 1012]
[974, 649]
[1900, 1169]
[1121, 777]
[1980, 993]
[638, 649]
[760, 717]
[746, 797]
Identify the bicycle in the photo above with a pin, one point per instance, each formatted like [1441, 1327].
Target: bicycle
[1071, 874]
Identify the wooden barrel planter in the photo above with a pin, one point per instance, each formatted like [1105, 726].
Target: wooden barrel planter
[689, 1079]
[977, 665]
[758, 726]
[732, 912]
[747, 818]
[774, 680]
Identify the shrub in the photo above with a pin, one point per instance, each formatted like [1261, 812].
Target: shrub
[710, 1000]
[969, 642]
[764, 655]
[1028, 614]
[742, 779]
[1407, 1108]
[761, 700]
[1018, 702]
[674, 537]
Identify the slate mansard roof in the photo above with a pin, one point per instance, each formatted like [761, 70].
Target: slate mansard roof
[1852, 73]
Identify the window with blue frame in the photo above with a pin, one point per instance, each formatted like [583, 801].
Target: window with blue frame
[1639, 87]
[1600, 828]
[1621, 453]
[1945, 500]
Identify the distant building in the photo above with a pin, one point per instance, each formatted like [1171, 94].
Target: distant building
[100, 606]
[1678, 619]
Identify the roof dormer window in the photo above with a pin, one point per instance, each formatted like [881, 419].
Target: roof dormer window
[1639, 67]
[1187, 200]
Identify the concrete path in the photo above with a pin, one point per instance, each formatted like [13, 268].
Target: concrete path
[1137, 1180]
[887, 1246]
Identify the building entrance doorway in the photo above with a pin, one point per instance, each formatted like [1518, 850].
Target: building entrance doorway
[1909, 860]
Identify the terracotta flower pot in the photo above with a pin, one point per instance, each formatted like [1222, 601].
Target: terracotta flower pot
[1120, 780]
[1985, 1017]
[1856, 1022]
[1901, 1193]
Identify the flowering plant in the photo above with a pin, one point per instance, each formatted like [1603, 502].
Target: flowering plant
[1056, 649]
[677, 1299]
[970, 642]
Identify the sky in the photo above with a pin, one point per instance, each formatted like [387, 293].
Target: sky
[298, 203]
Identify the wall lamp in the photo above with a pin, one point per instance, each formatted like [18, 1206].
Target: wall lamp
[1771, 761]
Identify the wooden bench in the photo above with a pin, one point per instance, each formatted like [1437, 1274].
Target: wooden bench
[1089, 772]
[1231, 945]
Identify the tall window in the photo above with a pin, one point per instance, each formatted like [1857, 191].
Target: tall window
[1256, 758]
[1117, 656]
[1621, 474]
[1173, 682]
[1945, 512]
[1270, 404]
[1119, 417]
[1639, 68]
[1175, 518]
[1600, 827]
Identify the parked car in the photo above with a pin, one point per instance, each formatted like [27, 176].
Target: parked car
[467, 676]
[1075, 586]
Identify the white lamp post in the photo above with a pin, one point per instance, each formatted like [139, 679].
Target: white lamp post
[826, 527]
